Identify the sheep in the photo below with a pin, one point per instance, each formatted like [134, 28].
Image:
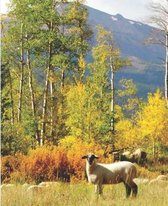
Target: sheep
[126, 156]
[114, 173]
[138, 156]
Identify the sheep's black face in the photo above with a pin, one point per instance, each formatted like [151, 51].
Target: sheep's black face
[90, 158]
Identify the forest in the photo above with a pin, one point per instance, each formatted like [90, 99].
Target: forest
[59, 98]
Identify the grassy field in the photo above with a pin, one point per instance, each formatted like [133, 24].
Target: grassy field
[62, 194]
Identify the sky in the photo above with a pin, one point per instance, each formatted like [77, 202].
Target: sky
[131, 9]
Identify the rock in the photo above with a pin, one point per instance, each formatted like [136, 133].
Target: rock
[49, 183]
[9, 185]
[153, 181]
[141, 180]
[4, 186]
[36, 188]
[159, 180]
[162, 177]
[25, 185]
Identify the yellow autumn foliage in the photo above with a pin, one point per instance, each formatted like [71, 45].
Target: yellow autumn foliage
[127, 135]
[153, 119]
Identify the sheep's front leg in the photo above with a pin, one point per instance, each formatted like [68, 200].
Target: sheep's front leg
[98, 189]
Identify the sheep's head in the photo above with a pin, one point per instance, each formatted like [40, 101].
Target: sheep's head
[90, 158]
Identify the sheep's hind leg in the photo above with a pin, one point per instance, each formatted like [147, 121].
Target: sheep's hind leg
[128, 190]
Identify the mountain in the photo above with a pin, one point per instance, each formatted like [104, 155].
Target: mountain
[147, 70]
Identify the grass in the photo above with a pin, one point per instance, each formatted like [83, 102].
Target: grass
[62, 194]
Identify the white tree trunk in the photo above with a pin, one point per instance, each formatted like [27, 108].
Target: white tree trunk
[166, 70]
[32, 99]
[51, 109]
[46, 90]
[112, 97]
[12, 101]
[44, 111]
[21, 77]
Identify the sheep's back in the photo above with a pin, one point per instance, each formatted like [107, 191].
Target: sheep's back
[117, 172]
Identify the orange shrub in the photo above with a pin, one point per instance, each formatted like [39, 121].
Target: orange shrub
[9, 165]
[52, 163]
[45, 164]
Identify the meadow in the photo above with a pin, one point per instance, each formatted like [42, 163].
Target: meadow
[65, 194]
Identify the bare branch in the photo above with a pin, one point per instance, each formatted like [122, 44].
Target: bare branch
[160, 15]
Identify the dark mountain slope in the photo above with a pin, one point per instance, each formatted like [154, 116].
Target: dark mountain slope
[147, 70]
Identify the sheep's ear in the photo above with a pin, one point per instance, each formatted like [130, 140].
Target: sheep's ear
[96, 157]
[84, 157]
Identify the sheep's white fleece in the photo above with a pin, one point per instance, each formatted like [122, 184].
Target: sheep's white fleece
[111, 173]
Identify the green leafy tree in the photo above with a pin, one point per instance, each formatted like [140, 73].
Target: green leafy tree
[79, 35]
[127, 98]
[107, 62]
[39, 38]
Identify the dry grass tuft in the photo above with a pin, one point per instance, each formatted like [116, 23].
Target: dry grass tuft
[62, 194]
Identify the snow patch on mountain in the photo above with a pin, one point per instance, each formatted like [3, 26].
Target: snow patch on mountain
[131, 22]
[114, 18]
